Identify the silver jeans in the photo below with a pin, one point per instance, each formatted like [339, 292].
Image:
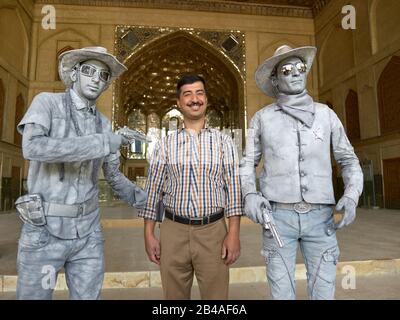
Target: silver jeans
[41, 256]
[318, 246]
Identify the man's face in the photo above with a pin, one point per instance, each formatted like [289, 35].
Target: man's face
[192, 101]
[90, 80]
[291, 77]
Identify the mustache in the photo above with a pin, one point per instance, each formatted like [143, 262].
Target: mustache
[195, 104]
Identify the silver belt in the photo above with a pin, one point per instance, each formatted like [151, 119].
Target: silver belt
[299, 207]
[70, 210]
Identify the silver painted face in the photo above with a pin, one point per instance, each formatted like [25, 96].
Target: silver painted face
[291, 76]
[89, 85]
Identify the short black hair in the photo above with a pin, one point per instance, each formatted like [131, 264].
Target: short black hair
[189, 79]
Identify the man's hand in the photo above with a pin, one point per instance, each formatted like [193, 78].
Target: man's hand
[153, 251]
[124, 141]
[115, 141]
[253, 207]
[151, 243]
[231, 245]
[349, 207]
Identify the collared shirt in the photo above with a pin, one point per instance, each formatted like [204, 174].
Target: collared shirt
[43, 127]
[194, 174]
[297, 159]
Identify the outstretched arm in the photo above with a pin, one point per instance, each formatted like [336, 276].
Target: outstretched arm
[38, 146]
[121, 185]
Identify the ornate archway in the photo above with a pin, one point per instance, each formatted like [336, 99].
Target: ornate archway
[146, 93]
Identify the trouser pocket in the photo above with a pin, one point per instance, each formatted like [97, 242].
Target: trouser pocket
[33, 237]
[325, 278]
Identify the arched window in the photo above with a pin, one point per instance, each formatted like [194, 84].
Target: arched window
[153, 121]
[19, 113]
[67, 48]
[171, 121]
[137, 120]
[389, 97]
[2, 96]
[352, 116]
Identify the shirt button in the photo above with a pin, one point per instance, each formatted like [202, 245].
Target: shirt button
[302, 174]
[301, 159]
[304, 189]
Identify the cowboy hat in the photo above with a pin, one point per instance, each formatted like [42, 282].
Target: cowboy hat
[68, 59]
[264, 70]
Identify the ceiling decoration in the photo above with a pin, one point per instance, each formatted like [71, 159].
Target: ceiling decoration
[154, 67]
[230, 44]
[288, 8]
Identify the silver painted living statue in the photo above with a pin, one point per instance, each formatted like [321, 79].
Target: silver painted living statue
[295, 136]
[67, 141]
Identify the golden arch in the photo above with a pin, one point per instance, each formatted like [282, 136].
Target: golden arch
[149, 84]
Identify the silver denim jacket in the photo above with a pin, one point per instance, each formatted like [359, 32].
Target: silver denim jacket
[44, 144]
[297, 159]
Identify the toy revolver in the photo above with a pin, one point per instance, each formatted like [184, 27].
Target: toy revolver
[132, 135]
[268, 224]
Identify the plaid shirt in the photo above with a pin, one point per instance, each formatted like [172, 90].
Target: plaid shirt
[195, 175]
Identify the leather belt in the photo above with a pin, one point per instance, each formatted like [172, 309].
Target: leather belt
[194, 221]
[70, 210]
[299, 207]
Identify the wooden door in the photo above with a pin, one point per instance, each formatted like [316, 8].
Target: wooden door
[134, 172]
[391, 177]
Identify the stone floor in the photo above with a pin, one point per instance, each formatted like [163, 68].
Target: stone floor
[373, 236]
[383, 287]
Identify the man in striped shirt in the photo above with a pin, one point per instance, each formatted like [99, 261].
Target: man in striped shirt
[195, 173]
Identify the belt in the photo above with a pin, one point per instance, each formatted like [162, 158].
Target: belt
[299, 207]
[70, 210]
[194, 221]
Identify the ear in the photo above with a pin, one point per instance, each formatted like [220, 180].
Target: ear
[73, 75]
[274, 81]
[178, 103]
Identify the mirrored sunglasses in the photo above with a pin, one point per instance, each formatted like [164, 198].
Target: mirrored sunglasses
[288, 68]
[90, 71]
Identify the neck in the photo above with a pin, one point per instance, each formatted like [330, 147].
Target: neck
[86, 101]
[195, 125]
[299, 94]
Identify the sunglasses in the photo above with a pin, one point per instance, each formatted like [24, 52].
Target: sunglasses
[90, 71]
[289, 68]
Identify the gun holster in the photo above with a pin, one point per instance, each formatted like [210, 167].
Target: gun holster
[30, 209]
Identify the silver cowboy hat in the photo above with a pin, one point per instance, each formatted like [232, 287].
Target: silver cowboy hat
[264, 70]
[68, 59]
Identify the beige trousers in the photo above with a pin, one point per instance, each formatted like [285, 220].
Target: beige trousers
[188, 250]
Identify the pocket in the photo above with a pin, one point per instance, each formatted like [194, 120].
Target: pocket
[33, 237]
[327, 267]
[96, 238]
[276, 266]
[98, 233]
